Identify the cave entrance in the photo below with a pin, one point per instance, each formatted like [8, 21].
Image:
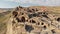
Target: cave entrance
[45, 16]
[15, 13]
[32, 21]
[18, 19]
[58, 19]
[53, 31]
[28, 28]
[23, 19]
[44, 27]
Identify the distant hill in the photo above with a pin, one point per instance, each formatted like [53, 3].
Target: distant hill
[5, 9]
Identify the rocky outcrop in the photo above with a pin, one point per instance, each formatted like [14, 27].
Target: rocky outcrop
[34, 21]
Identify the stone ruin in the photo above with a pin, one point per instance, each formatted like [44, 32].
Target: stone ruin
[34, 21]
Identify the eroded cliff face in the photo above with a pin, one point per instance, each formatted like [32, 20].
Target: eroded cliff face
[35, 21]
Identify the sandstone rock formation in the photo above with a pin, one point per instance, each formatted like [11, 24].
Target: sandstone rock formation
[34, 21]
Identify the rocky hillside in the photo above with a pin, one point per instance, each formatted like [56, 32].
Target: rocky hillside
[33, 20]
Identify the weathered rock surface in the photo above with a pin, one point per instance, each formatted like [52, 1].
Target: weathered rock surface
[34, 21]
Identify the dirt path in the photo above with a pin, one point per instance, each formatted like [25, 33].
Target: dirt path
[8, 21]
[9, 26]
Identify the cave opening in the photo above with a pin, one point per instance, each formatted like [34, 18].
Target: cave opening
[38, 23]
[33, 9]
[36, 9]
[42, 23]
[23, 19]
[53, 31]
[22, 13]
[32, 21]
[15, 13]
[29, 10]
[58, 19]
[18, 19]
[28, 28]
[30, 15]
[44, 27]
[45, 16]
[34, 15]
[39, 12]
[43, 12]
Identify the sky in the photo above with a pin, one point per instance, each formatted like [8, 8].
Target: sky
[26, 3]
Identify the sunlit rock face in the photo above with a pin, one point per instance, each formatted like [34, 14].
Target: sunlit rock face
[28, 20]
